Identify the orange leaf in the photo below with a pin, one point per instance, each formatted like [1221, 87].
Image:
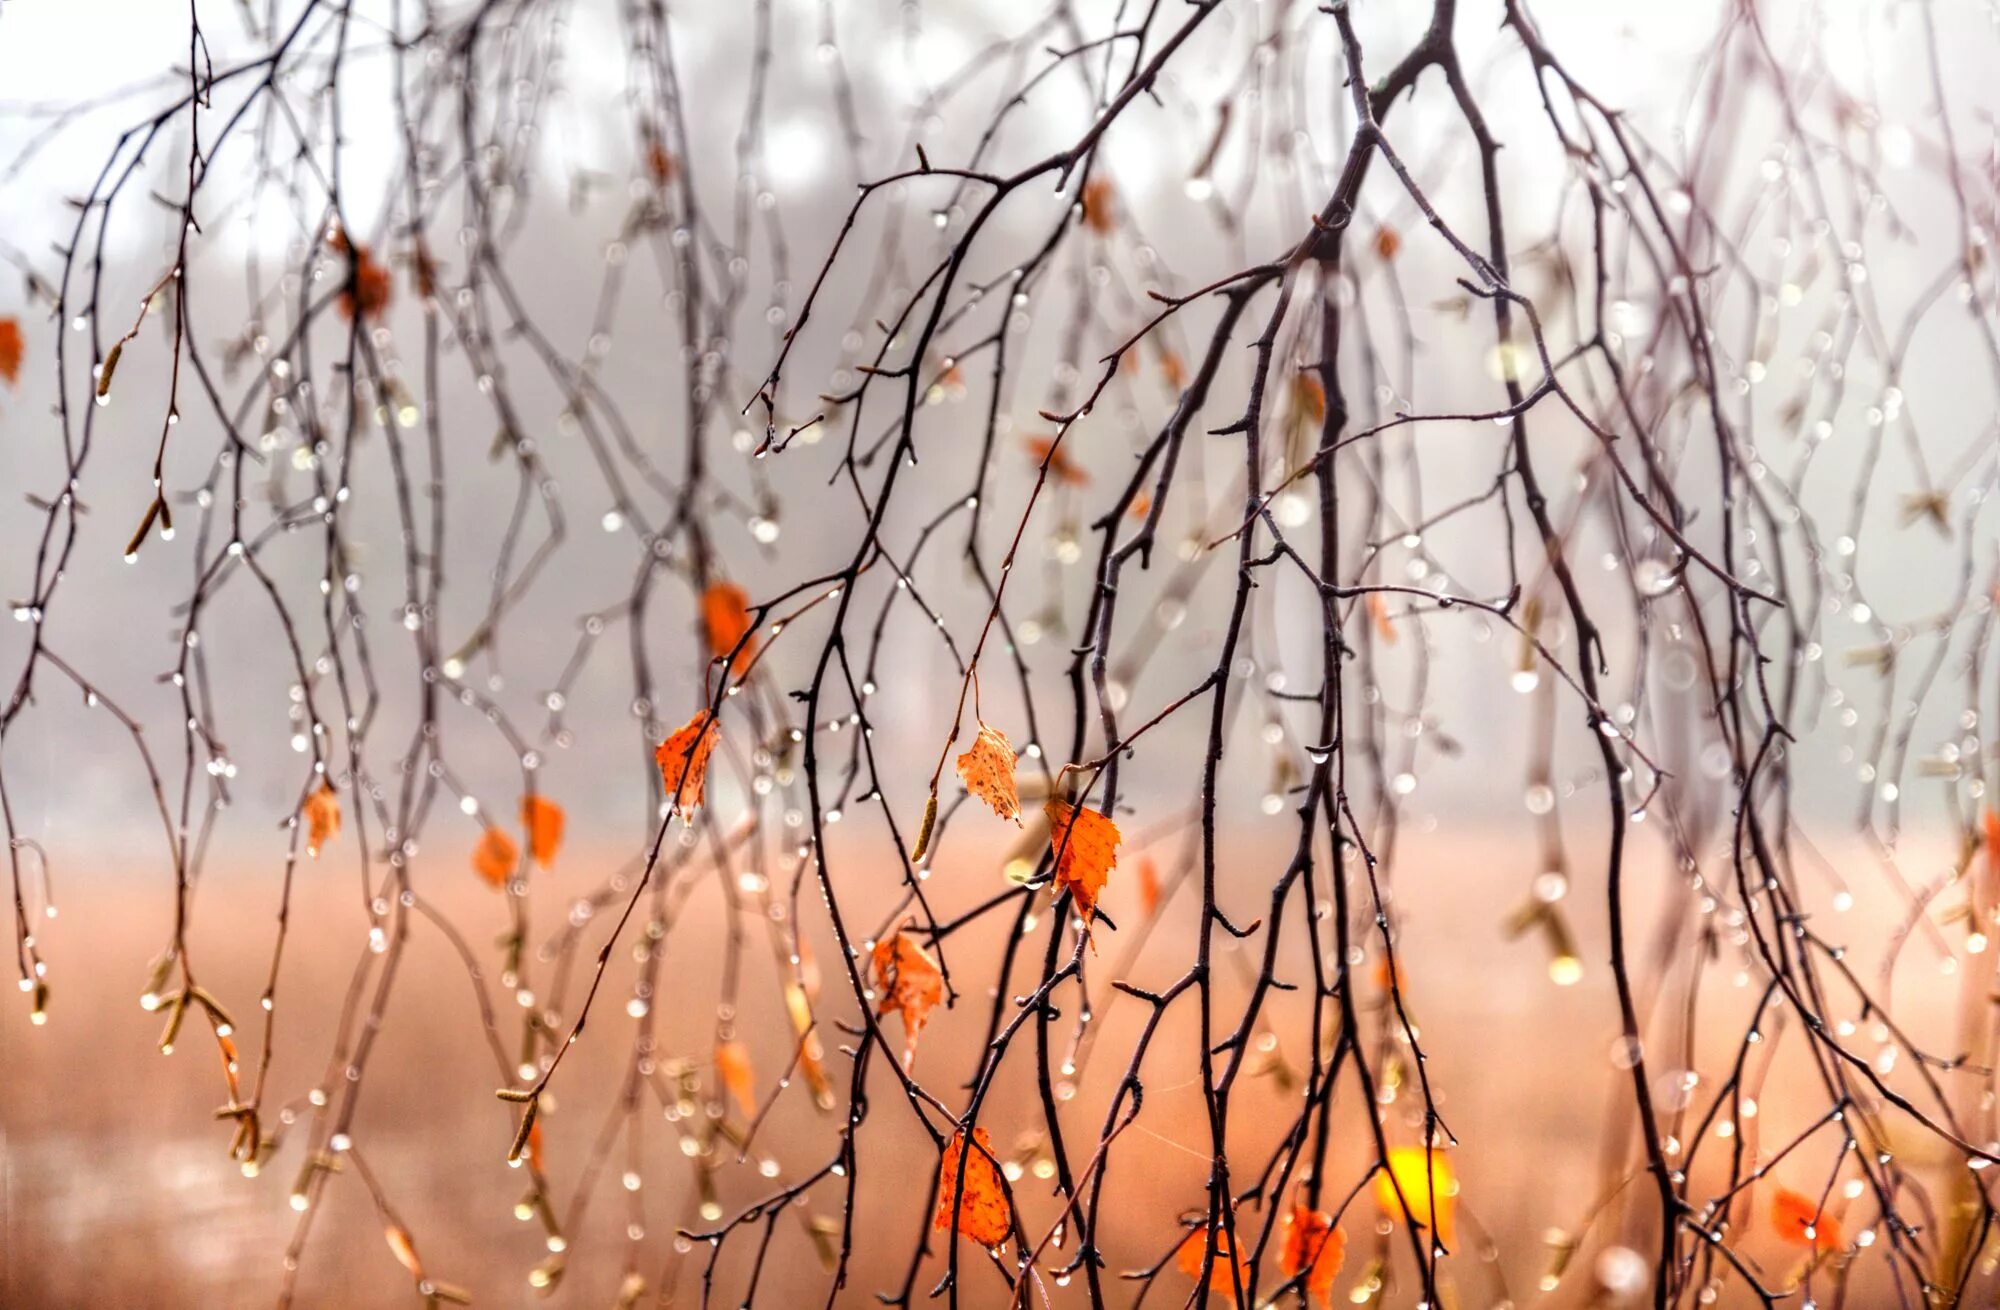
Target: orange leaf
[10, 350]
[1387, 243]
[1312, 1242]
[495, 857]
[1992, 825]
[373, 286]
[1173, 370]
[725, 612]
[535, 1146]
[1086, 843]
[909, 981]
[1098, 197]
[1149, 886]
[683, 760]
[984, 1215]
[732, 1065]
[1385, 626]
[1800, 1222]
[1194, 1250]
[1061, 466]
[405, 1250]
[660, 163]
[322, 818]
[1427, 1184]
[988, 772]
[1308, 397]
[543, 819]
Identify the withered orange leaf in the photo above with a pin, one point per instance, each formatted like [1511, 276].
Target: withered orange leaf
[373, 286]
[1308, 397]
[1149, 886]
[909, 981]
[543, 819]
[495, 857]
[405, 1249]
[984, 1214]
[1064, 469]
[683, 760]
[1098, 200]
[10, 350]
[732, 1065]
[1800, 1222]
[1311, 1242]
[1086, 845]
[988, 772]
[1194, 1250]
[725, 613]
[1385, 626]
[660, 163]
[1387, 242]
[535, 1146]
[1173, 370]
[322, 818]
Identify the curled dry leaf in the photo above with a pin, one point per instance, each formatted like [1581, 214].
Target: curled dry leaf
[10, 350]
[543, 821]
[1312, 1243]
[725, 614]
[1428, 1185]
[495, 857]
[322, 818]
[373, 286]
[1086, 846]
[1221, 1278]
[908, 981]
[984, 1215]
[683, 760]
[1800, 1222]
[988, 772]
[732, 1066]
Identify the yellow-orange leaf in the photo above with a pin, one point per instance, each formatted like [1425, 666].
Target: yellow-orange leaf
[543, 820]
[1194, 1250]
[1800, 1222]
[373, 285]
[1061, 467]
[1086, 845]
[322, 819]
[535, 1146]
[1992, 824]
[988, 772]
[1385, 626]
[908, 981]
[732, 1065]
[495, 857]
[1311, 1242]
[725, 613]
[683, 760]
[1387, 243]
[10, 350]
[1308, 398]
[405, 1250]
[984, 1214]
[1173, 370]
[1427, 1184]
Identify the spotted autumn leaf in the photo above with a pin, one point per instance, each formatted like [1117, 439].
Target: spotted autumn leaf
[1311, 1243]
[683, 760]
[543, 821]
[725, 614]
[11, 349]
[322, 819]
[908, 981]
[1061, 467]
[1800, 1222]
[1099, 206]
[984, 1214]
[1086, 846]
[1427, 1184]
[1221, 1278]
[495, 857]
[988, 772]
[732, 1066]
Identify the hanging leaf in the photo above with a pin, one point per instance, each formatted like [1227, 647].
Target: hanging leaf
[660, 163]
[495, 857]
[1149, 886]
[535, 1146]
[988, 772]
[322, 818]
[1308, 398]
[985, 1215]
[1385, 625]
[405, 1249]
[1427, 1184]
[10, 350]
[725, 613]
[1172, 370]
[1098, 201]
[1387, 242]
[1991, 821]
[683, 760]
[1061, 467]
[372, 287]
[1311, 1242]
[543, 820]
[1086, 843]
[1800, 1222]
[908, 980]
[732, 1065]
[1221, 1278]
